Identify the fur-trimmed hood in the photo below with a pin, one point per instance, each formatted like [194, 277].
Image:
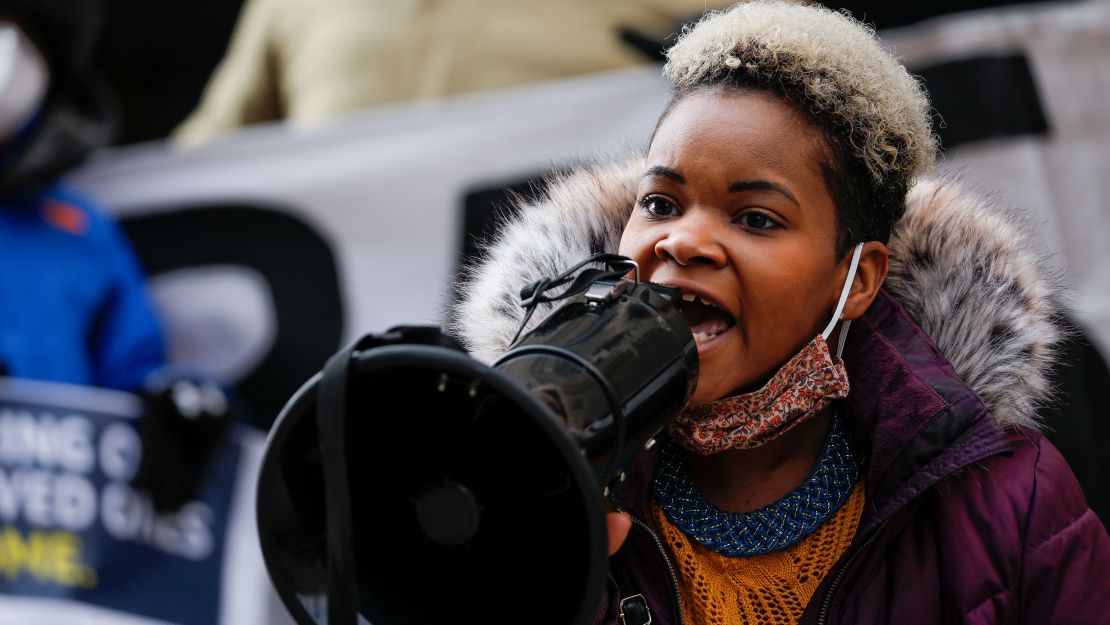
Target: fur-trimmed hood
[962, 266]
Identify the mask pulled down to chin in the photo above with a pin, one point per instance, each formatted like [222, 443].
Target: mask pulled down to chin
[803, 387]
[798, 391]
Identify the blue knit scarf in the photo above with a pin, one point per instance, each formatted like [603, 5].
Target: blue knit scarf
[776, 526]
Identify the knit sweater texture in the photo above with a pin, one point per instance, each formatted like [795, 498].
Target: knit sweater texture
[768, 589]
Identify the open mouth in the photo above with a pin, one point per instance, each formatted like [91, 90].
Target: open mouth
[707, 320]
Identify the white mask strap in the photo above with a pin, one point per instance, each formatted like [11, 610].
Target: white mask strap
[843, 299]
[843, 338]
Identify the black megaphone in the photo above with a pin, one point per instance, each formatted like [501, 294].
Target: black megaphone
[408, 484]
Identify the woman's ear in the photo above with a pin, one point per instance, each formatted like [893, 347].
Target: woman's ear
[869, 279]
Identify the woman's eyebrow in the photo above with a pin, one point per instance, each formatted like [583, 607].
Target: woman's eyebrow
[659, 170]
[746, 185]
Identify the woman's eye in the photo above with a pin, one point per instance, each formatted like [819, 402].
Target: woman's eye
[656, 206]
[758, 221]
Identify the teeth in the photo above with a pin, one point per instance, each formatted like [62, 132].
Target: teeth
[702, 336]
[690, 297]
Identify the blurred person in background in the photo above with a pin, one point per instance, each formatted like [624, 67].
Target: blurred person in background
[73, 301]
[105, 518]
[312, 60]
[74, 305]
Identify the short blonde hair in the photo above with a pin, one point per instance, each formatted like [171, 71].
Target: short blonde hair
[835, 70]
[836, 62]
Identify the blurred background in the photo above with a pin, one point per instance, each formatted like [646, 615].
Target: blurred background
[241, 187]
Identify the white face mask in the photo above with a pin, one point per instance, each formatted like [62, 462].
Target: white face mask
[24, 79]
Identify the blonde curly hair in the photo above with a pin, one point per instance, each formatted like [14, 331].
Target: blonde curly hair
[835, 70]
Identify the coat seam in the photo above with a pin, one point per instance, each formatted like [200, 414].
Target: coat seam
[1070, 524]
[1030, 550]
[1020, 573]
[1009, 589]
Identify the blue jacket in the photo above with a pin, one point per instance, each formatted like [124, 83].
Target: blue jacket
[73, 302]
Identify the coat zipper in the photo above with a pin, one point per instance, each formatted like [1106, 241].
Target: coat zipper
[826, 602]
[670, 569]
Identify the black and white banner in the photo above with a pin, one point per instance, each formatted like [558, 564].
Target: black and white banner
[384, 203]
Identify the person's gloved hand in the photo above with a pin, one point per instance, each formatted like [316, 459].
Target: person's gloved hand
[187, 418]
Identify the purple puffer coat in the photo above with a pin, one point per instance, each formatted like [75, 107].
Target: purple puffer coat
[971, 516]
[963, 522]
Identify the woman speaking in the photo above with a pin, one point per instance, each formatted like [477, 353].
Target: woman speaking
[861, 446]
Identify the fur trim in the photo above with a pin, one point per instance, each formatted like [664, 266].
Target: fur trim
[581, 213]
[961, 266]
[968, 274]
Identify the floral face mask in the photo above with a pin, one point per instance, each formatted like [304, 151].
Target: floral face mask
[800, 389]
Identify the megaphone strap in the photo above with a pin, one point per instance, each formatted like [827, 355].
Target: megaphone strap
[535, 293]
[331, 413]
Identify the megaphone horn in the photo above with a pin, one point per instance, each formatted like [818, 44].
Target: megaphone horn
[408, 484]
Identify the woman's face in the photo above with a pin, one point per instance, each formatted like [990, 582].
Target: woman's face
[733, 210]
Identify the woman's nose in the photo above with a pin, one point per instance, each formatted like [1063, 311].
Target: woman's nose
[692, 240]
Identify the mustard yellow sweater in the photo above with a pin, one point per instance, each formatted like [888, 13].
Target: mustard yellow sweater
[768, 589]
